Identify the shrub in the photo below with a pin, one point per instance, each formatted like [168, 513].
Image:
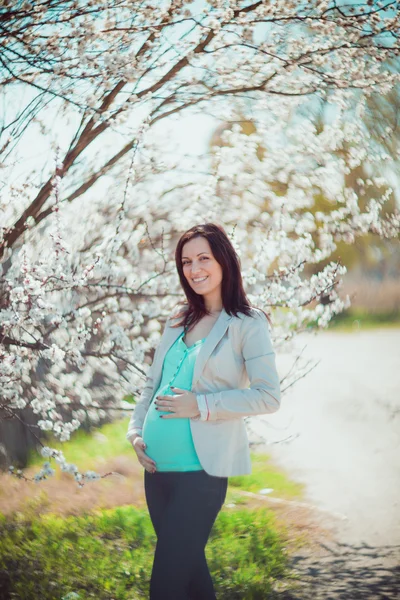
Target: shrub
[108, 555]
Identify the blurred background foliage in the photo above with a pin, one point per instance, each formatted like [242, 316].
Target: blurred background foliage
[373, 263]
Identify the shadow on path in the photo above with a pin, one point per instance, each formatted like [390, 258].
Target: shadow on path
[333, 571]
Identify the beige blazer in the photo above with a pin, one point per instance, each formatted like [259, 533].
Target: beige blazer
[234, 376]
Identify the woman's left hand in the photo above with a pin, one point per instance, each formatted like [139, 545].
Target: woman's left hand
[183, 405]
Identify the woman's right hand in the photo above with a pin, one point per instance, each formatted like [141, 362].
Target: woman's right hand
[139, 446]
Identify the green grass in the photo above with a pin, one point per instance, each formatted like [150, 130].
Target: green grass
[353, 319]
[265, 475]
[356, 319]
[108, 555]
[87, 452]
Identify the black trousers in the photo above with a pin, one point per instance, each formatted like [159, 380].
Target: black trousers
[183, 507]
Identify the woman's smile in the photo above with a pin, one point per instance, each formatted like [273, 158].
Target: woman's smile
[199, 280]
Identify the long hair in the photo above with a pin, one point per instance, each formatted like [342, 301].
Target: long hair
[234, 298]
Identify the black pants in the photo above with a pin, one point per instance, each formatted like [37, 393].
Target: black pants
[183, 507]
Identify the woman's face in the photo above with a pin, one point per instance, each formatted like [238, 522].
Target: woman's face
[198, 263]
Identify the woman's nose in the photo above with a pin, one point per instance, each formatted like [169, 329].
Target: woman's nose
[195, 270]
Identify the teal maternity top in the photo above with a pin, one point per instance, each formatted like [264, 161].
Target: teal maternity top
[169, 441]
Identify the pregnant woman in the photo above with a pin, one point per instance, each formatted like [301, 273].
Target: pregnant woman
[214, 365]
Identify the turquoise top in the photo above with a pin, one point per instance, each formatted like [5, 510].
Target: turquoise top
[169, 441]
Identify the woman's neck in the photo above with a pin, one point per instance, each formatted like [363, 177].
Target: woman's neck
[214, 311]
[213, 302]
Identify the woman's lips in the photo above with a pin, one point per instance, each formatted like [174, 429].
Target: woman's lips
[199, 282]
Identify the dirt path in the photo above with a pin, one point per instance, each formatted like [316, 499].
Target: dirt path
[338, 432]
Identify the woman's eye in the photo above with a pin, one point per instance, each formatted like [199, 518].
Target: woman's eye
[201, 258]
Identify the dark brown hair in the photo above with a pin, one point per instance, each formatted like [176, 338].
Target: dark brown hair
[234, 299]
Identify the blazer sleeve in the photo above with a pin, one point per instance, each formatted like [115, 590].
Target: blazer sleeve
[263, 396]
[142, 405]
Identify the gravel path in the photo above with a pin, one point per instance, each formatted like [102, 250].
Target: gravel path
[338, 432]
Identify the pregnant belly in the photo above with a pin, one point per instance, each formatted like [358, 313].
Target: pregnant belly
[169, 441]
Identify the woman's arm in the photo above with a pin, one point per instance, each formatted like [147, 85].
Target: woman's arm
[142, 405]
[263, 396]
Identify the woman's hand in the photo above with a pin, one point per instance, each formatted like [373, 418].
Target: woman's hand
[139, 446]
[183, 405]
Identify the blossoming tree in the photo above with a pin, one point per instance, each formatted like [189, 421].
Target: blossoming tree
[95, 191]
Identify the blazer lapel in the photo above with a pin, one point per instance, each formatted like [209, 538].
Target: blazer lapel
[216, 333]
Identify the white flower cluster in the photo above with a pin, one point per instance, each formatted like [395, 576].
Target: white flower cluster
[47, 471]
[44, 473]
